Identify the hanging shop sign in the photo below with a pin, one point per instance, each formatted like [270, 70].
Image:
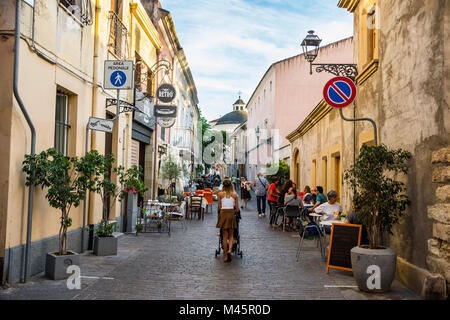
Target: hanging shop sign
[166, 122]
[166, 93]
[165, 111]
[118, 74]
[145, 114]
[339, 92]
[100, 124]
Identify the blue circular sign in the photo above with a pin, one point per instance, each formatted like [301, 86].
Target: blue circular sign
[118, 78]
[339, 92]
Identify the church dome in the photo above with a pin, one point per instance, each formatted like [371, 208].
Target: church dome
[233, 117]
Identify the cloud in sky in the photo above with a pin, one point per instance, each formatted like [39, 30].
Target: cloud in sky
[230, 44]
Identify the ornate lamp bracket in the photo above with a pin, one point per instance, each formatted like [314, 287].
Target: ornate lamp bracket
[339, 70]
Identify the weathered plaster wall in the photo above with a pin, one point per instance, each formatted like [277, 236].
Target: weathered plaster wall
[408, 97]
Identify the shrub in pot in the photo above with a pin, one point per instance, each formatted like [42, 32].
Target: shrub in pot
[102, 183]
[66, 180]
[379, 200]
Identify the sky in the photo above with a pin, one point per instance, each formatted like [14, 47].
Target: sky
[230, 44]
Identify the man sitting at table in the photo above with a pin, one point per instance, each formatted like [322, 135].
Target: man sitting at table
[330, 210]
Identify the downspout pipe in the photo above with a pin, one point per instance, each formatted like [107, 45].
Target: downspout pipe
[26, 252]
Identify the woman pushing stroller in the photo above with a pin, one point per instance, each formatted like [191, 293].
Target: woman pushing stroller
[228, 205]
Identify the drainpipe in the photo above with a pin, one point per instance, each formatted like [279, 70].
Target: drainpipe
[26, 253]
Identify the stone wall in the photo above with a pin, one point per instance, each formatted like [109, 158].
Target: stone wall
[438, 259]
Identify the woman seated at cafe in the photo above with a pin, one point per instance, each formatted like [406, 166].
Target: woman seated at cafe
[330, 210]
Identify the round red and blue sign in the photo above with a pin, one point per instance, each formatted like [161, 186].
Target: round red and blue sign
[339, 92]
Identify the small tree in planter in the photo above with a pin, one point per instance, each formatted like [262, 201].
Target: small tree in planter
[379, 201]
[129, 181]
[171, 170]
[66, 181]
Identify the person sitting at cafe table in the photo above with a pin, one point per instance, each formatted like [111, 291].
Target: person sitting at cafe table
[320, 198]
[308, 196]
[330, 210]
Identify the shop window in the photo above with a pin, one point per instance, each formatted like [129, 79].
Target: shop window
[62, 125]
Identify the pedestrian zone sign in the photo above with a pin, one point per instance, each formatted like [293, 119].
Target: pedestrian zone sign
[118, 75]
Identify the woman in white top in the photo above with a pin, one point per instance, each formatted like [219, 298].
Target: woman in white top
[228, 204]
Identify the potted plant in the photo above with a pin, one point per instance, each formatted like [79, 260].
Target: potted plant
[129, 182]
[379, 200]
[66, 180]
[172, 172]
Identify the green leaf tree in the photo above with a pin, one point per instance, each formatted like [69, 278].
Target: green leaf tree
[380, 199]
[171, 170]
[66, 181]
[280, 170]
[101, 183]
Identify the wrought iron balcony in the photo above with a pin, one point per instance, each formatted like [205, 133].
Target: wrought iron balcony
[118, 36]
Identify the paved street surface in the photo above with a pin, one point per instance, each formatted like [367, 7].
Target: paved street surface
[183, 266]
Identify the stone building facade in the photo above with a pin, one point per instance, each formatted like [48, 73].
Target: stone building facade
[403, 84]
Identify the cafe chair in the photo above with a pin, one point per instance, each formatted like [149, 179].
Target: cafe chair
[179, 215]
[318, 234]
[195, 206]
[209, 198]
[290, 212]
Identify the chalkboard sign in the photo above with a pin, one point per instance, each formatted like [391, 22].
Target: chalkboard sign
[344, 237]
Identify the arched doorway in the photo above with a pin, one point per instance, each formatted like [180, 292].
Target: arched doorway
[296, 164]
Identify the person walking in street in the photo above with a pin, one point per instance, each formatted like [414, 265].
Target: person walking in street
[228, 204]
[245, 192]
[262, 185]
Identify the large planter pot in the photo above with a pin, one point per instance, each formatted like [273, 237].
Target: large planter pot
[373, 269]
[105, 246]
[56, 265]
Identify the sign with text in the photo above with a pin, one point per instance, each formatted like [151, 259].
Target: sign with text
[165, 111]
[100, 124]
[118, 74]
[166, 122]
[344, 237]
[166, 93]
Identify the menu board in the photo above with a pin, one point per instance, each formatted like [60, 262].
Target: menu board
[344, 237]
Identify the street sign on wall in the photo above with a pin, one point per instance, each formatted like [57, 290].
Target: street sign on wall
[165, 111]
[166, 93]
[118, 75]
[339, 92]
[101, 124]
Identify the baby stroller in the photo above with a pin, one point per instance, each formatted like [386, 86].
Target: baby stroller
[237, 243]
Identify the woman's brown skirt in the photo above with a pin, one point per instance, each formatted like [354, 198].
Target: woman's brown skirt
[227, 219]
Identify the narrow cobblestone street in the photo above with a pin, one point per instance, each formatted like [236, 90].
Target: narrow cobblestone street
[182, 266]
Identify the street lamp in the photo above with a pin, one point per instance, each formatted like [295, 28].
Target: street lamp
[310, 46]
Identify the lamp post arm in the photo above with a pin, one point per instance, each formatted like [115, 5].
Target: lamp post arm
[340, 70]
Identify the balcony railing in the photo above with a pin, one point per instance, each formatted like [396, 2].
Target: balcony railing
[81, 9]
[118, 36]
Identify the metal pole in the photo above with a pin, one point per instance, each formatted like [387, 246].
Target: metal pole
[85, 194]
[363, 119]
[26, 252]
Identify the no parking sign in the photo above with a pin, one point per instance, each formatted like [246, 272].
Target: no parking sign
[339, 92]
